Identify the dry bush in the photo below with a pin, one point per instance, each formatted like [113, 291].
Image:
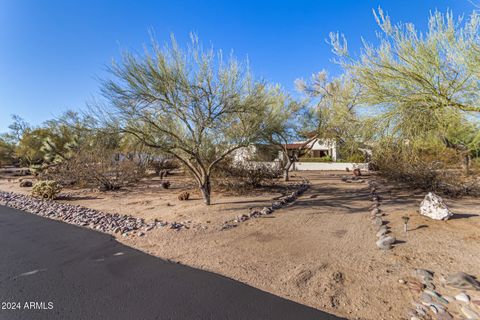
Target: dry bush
[104, 170]
[163, 165]
[184, 196]
[165, 184]
[244, 176]
[436, 169]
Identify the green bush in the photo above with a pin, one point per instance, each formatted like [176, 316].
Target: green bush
[47, 189]
[316, 159]
[355, 158]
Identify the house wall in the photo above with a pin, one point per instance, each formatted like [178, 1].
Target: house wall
[253, 151]
[244, 153]
[256, 153]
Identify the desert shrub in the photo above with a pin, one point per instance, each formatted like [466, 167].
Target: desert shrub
[22, 172]
[98, 169]
[355, 158]
[163, 165]
[47, 189]
[433, 168]
[476, 166]
[7, 153]
[165, 184]
[241, 175]
[184, 196]
[316, 159]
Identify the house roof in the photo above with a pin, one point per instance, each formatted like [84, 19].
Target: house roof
[294, 145]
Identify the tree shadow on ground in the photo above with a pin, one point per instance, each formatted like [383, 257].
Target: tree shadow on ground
[76, 198]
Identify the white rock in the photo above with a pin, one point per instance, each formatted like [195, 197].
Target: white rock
[435, 207]
[382, 231]
[385, 242]
[462, 297]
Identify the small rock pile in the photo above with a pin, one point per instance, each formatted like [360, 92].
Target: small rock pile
[353, 179]
[384, 241]
[26, 184]
[301, 187]
[85, 217]
[431, 304]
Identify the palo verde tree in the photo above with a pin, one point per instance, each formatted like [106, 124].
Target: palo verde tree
[336, 104]
[411, 69]
[191, 104]
[420, 83]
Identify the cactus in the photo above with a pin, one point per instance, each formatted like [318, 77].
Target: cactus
[47, 189]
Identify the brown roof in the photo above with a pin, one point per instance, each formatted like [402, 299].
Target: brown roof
[294, 145]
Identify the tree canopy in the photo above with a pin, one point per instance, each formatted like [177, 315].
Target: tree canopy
[192, 104]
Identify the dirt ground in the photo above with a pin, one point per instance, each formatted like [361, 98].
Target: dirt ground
[319, 251]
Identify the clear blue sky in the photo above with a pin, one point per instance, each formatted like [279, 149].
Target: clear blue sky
[52, 52]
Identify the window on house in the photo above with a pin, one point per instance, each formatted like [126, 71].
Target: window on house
[320, 153]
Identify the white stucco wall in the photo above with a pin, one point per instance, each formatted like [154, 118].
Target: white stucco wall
[326, 166]
[244, 153]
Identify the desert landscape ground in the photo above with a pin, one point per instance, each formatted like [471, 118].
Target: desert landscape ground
[319, 251]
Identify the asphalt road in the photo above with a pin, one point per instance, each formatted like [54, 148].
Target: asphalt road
[53, 270]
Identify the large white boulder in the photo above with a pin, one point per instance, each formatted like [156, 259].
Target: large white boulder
[434, 207]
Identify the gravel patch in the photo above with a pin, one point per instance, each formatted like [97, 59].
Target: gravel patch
[85, 217]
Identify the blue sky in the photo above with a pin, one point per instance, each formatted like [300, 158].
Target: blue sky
[53, 52]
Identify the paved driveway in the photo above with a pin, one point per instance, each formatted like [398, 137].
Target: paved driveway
[53, 270]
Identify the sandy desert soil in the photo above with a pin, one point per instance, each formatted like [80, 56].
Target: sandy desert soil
[319, 251]
[150, 201]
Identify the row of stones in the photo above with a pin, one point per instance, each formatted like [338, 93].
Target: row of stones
[85, 217]
[431, 304]
[300, 188]
[384, 241]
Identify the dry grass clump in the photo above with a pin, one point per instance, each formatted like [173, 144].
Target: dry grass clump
[243, 177]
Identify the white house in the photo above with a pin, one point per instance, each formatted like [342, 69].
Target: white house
[315, 150]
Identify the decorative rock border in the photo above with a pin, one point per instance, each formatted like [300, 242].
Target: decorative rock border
[278, 204]
[429, 303]
[85, 217]
[384, 240]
